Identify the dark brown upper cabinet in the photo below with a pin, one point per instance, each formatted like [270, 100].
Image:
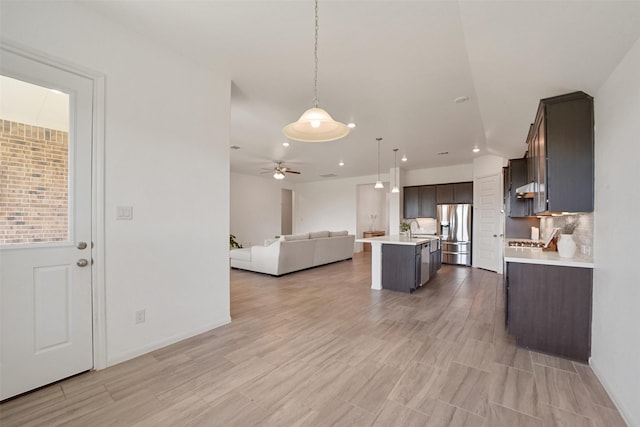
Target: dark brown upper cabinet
[420, 201]
[444, 194]
[463, 192]
[459, 192]
[561, 154]
[427, 201]
[411, 202]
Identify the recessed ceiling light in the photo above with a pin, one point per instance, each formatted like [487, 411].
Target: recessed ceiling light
[341, 163]
[285, 144]
[461, 99]
[476, 150]
[351, 125]
[404, 158]
[443, 153]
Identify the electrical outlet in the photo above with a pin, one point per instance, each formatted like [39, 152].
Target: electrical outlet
[140, 316]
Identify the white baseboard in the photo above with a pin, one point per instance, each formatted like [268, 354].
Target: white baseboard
[122, 357]
[607, 387]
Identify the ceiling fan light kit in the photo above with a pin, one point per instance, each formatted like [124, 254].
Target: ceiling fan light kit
[315, 124]
[279, 171]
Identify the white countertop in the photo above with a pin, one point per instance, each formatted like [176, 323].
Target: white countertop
[538, 256]
[398, 240]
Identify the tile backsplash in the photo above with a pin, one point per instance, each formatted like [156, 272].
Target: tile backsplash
[582, 235]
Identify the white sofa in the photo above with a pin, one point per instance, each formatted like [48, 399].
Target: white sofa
[294, 252]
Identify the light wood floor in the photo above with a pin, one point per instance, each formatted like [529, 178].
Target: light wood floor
[319, 348]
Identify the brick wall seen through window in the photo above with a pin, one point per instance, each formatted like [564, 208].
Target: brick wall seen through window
[33, 184]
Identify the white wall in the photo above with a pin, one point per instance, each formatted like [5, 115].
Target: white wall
[488, 165]
[255, 207]
[441, 175]
[615, 349]
[166, 154]
[371, 201]
[333, 204]
[329, 205]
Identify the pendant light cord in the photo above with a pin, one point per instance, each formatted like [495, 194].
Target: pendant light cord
[379, 139]
[315, 55]
[395, 166]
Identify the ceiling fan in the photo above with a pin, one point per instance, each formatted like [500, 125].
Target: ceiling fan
[279, 170]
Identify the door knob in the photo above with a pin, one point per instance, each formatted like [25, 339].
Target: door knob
[82, 245]
[495, 235]
[82, 262]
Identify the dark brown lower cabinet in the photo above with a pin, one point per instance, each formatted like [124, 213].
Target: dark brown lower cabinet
[436, 262]
[548, 308]
[401, 267]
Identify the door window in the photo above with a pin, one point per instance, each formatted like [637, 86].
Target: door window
[34, 163]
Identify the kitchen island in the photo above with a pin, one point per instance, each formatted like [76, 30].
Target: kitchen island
[402, 263]
[548, 301]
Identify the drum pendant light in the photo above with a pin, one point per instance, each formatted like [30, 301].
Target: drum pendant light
[315, 124]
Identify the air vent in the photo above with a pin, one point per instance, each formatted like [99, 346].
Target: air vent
[329, 175]
[234, 147]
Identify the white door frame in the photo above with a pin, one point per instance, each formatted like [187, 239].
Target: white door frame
[97, 190]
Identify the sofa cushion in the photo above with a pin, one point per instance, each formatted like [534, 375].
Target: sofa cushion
[268, 242]
[331, 249]
[290, 237]
[338, 233]
[318, 234]
[243, 254]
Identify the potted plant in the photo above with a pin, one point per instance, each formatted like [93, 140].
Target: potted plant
[405, 227]
[233, 243]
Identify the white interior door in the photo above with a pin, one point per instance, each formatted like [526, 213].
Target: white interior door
[286, 211]
[487, 207]
[45, 265]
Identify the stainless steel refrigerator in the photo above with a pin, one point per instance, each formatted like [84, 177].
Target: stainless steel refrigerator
[454, 227]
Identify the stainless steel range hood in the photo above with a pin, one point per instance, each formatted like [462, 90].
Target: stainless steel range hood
[526, 191]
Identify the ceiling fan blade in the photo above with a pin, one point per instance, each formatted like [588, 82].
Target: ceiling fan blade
[290, 171]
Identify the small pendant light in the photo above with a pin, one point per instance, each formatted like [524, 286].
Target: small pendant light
[395, 188]
[378, 182]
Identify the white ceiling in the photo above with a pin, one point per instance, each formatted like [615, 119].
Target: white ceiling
[392, 67]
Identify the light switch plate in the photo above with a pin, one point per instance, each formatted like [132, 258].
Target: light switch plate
[124, 212]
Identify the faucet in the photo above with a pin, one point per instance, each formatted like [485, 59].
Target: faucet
[410, 231]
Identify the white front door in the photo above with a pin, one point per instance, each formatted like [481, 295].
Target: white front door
[487, 223]
[45, 219]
